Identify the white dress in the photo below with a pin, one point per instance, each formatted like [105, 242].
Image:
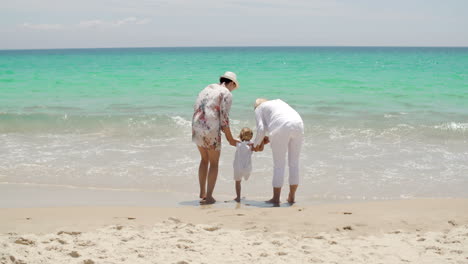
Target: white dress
[242, 161]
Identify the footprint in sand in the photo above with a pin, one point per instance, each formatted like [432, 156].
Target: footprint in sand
[53, 248]
[251, 228]
[276, 243]
[61, 241]
[316, 260]
[175, 220]
[74, 254]
[452, 242]
[24, 241]
[86, 243]
[16, 261]
[182, 246]
[185, 240]
[211, 229]
[69, 233]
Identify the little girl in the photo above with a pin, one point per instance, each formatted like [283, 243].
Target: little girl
[243, 158]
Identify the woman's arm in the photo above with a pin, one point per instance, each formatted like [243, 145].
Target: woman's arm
[262, 145]
[225, 107]
[229, 137]
[260, 135]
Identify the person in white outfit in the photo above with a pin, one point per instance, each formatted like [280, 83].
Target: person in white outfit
[286, 135]
[243, 159]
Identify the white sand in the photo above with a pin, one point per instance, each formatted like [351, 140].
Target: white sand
[410, 231]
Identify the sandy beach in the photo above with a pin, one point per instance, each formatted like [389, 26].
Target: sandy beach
[402, 231]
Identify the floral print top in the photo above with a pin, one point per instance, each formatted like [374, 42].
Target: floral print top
[210, 116]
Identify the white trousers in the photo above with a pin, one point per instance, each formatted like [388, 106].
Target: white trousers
[288, 140]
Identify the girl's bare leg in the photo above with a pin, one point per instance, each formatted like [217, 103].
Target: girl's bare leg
[238, 191]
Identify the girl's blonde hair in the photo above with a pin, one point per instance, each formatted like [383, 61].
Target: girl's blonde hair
[246, 134]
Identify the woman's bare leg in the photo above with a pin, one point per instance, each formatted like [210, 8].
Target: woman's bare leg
[276, 196]
[203, 171]
[213, 156]
[292, 193]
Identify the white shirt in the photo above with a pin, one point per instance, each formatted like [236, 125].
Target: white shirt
[274, 115]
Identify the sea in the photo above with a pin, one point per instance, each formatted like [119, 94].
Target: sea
[380, 122]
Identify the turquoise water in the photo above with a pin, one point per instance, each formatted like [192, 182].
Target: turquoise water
[380, 122]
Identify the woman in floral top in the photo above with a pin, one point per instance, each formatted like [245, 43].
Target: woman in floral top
[210, 117]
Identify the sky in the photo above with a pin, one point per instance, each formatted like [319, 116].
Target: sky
[49, 24]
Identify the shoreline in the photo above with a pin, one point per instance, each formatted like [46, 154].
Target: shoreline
[404, 231]
[24, 195]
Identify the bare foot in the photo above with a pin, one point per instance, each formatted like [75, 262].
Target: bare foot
[202, 196]
[291, 199]
[208, 201]
[273, 201]
[237, 199]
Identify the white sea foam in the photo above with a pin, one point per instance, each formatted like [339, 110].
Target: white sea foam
[453, 126]
[338, 160]
[181, 121]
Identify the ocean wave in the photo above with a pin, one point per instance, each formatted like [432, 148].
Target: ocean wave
[107, 124]
[453, 126]
[181, 121]
[394, 114]
[35, 108]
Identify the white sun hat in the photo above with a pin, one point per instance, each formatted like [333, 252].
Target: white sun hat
[231, 76]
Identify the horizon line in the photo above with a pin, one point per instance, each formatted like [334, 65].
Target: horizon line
[250, 46]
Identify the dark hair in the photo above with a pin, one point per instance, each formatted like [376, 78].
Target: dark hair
[224, 80]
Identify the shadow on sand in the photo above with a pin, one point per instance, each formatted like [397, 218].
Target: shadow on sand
[244, 203]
